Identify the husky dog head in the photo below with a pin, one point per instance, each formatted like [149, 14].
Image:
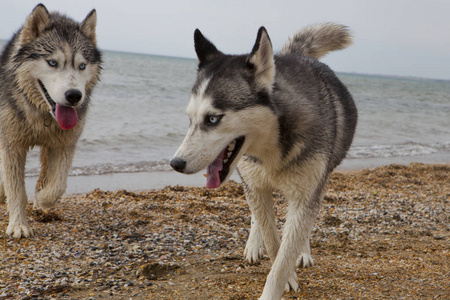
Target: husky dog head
[57, 64]
[229, 109]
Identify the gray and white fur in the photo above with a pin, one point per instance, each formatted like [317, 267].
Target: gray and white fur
[285, 121]
[47, 73]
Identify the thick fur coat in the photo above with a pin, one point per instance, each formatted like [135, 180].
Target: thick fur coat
[285, 121]
[47, 73]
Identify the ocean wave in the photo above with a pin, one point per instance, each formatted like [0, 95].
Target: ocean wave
[401, 150]
[355, 152]
[102, 169]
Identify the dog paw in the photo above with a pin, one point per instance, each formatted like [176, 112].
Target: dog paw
[18, 231]
[254, 249]
[46, 199]
[305, 261]
[253, 253]
[292, 283]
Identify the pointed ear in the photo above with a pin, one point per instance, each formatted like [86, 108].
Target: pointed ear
[205, 50]
[261, 60]
[88, 26]
[37, 21]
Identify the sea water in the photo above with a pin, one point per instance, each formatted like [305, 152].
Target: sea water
[137, 118]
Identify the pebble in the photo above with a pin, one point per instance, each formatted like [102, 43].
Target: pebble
[102, 238]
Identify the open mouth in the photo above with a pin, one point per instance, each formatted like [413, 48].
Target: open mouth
[218, 170]
[66, 116]
[47, 97]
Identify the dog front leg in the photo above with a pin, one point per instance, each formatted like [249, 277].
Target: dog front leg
[13, 182]
[305, 260]
[2, 193]
[52, 181]
[302, 210]
[263, 227]
[254, 249]
[42, 180]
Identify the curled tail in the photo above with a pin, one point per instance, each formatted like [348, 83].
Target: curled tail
[317, 40]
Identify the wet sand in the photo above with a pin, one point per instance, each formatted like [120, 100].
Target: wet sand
[157, 180]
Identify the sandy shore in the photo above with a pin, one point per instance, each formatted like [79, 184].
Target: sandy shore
[157, 180]
[382, 233]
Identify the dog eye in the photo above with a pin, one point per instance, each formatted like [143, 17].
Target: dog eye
[82, 66]
[212, 120]
[52, 63]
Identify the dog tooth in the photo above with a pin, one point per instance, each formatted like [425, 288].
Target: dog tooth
[232, 146]
[225, 160]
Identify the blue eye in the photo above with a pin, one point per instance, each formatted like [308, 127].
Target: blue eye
[82, 66]
[52, 63]
[213, 120]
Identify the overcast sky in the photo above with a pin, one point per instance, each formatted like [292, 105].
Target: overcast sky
[391, 37]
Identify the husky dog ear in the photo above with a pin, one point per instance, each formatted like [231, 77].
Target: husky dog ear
[205, 50]
[88, 26]
[261, 60]
[35, 24]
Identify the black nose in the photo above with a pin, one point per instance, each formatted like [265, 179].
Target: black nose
[178, 164]
[73, 96]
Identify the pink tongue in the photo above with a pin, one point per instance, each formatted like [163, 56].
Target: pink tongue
[212, 172]
[67, 116]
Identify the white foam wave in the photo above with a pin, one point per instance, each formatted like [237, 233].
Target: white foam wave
[407, 149]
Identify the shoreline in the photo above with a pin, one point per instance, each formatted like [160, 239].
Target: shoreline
[381, 233]
[143, 181]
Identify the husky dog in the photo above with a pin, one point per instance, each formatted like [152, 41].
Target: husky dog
[285, 121]
[47, 73]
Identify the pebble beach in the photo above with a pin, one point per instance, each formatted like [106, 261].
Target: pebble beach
[382, 233]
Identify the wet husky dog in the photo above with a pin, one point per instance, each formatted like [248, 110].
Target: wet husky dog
[47, 73]
[285, 121]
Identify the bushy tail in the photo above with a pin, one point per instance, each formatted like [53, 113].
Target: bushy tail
[317, 40]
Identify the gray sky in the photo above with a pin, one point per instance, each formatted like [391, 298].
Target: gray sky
[391, 37]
